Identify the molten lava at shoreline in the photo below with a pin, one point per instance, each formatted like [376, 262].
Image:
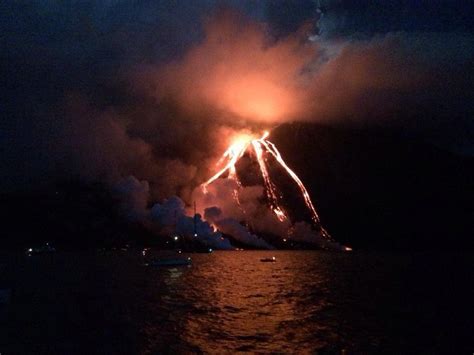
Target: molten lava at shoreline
[261, 148]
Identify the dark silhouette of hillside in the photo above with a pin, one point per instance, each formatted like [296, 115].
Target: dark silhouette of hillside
[375, 188]
[71, 215]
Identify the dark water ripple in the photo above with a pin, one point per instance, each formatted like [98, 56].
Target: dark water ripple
[306, 302]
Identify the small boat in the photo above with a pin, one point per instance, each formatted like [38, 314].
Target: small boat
[170, 262]
[268, 260]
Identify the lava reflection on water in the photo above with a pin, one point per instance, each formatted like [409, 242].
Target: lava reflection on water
[307, 302]
[234, 302]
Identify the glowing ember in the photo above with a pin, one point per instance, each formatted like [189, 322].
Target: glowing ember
[259, 148]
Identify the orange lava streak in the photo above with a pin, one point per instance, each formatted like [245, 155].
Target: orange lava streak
[270, 187]
[233, 153]
[274, 151]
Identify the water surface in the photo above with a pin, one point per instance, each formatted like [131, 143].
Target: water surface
[306, 302]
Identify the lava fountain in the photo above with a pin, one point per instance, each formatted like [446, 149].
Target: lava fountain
[260, 148]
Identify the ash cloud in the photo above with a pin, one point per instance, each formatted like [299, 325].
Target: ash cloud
[250, 207]
[416, 81]
[134, 195]
[233, 228]
[172, 219]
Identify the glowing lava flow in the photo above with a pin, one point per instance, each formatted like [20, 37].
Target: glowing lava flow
[233, 154]
[272, 149]
[260, 146]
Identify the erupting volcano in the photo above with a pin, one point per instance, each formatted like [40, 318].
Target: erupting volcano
[262, 151]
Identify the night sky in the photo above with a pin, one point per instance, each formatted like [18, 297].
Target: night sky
[101, 91]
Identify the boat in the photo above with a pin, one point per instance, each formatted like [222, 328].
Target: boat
[169, 262]
[268, 260]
